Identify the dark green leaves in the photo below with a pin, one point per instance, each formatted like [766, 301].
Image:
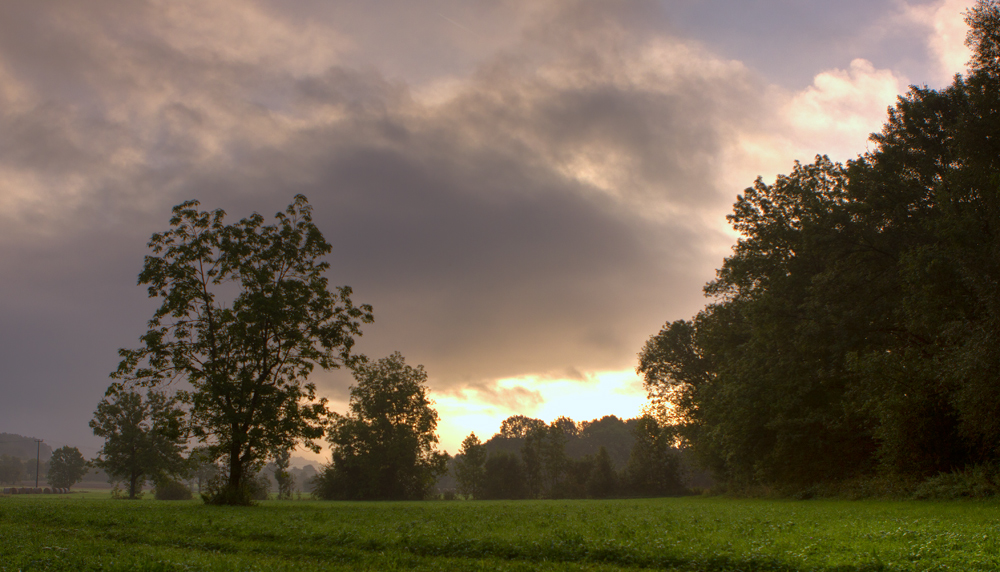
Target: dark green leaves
[385, 447]
[856, 323]
[246, 314]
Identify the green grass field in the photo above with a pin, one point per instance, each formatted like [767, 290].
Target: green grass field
[92, 532]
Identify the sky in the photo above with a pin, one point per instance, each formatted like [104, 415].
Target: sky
[525, 191]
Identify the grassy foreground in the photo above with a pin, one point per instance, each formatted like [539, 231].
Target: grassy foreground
[92, 532]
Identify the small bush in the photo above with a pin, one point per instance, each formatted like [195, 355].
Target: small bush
[806, 494]
[259, 487]
[169, 489]
[976, 482]
[218, 492]
[119, 493]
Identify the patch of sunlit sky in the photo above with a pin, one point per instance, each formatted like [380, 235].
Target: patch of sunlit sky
[603, 393]
[618, 393]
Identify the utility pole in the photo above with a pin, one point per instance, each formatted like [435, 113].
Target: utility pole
[38, 455]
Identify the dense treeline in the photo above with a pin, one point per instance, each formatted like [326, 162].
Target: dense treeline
[607, 457]
[581, 439]
[855, 329]
[64, 468]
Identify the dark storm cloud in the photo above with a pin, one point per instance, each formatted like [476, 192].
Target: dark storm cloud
[538, 202]
[483, 257]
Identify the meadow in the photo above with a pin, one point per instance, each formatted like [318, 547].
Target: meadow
[90, 531]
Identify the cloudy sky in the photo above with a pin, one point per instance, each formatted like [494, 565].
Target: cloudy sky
[524, 190]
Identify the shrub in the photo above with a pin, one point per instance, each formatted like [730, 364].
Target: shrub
[169, 489]
[118, 493]
[975, 482]
[259, 487]
[217, 492]
[255, 488]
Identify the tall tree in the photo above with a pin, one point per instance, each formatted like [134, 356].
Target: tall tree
[609, 432]
[757, 378]
[246, 361]
[66, 467]
[385, 447]
[470, 467]
[543, 454]
[285, 480]
[505, 477]
[533, 461]
[554, 456]
[857, 321]
[519, 426]
[201, 468]
[653, 464]
[603, 481]
[143, 438]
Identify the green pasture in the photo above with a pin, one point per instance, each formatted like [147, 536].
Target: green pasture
[90, 531]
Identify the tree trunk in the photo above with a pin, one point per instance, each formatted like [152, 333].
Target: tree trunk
[235, 465]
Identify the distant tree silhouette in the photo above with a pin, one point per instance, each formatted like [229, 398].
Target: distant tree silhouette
[470, 467]
[66, 467]
[285, 480]
[246, 360]
[11, 470]
[505, 477]
[386, 446]
[23, 447]
[551, 462]
[519, 426]
[653, 465]
[143, 438]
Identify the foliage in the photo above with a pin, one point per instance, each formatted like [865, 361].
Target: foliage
[519, 426]
[142, 437]
[470, 467]
[976, 482]
[285, 480]
[258, 487]
[581, 439]
[253, 488]
[33, 468]
[201, 467]
[545, 460]
[566, 459]
[66, 467]
[246, 361]
[653, 464]
[531, 457]
[854, 328]
[577, 477]
[602, 482]
[87, 532]
[170, 489]
[11, 470]
[504, 478]
[984, 37]
[385, 446]
[610, 432]
[117, 493]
